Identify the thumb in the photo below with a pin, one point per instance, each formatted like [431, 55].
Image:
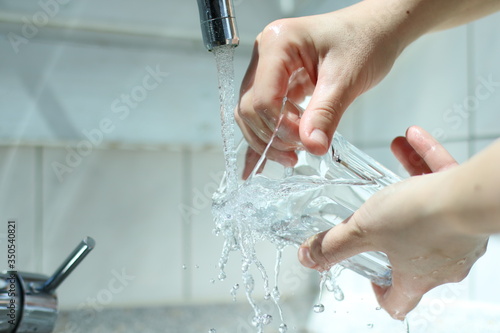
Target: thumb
[330, 247]
[321, 117]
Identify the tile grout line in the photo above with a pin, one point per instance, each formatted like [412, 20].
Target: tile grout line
[470, 70]
[186, 226]
[471, 121]
[38, 209]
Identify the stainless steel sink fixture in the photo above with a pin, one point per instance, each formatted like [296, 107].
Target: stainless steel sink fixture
[218, 23]
[28, 302]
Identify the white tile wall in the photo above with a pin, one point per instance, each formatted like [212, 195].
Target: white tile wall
[206, 248]
[427, 79]
[47, 99]
[128, 202]
[485, 83]
[19, 194]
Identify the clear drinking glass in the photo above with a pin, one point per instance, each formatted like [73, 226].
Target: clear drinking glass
[316, 194]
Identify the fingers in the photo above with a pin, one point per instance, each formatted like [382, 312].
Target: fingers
[280, 151]
[408, 157]
[420, 153]
[431, 151]
[261, 96]
[300, 86]
[325, 249]
[251, 160]
[321, 117]
[278, 59]
[251, 112]
[396, 300]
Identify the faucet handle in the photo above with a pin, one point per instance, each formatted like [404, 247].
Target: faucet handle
[78, 254]
[35, 307]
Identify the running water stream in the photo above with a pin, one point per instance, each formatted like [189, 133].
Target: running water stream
[233, 208]
[244, 214]
[225, 70]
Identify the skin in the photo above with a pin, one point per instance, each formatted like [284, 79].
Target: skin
[343, 54]
[433, 226]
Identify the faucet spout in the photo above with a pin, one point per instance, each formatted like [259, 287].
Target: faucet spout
[218, 23]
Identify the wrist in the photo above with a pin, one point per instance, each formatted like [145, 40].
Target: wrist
[454, 205]
[472, 191]
[439, 205]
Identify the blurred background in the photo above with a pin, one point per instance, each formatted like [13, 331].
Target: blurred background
[109, 127]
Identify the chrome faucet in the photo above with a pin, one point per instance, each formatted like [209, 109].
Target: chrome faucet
[218, 23]
[28, 302]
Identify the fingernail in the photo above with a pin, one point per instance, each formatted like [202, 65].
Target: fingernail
[319, 137]
[305, 257]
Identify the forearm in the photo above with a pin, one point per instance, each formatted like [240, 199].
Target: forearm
[406, 20]
[471, 194]
[467, 11]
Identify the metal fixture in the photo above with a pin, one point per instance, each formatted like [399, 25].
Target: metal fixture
[28, 302]
[218, 23]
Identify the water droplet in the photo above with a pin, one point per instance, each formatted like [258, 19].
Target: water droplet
[276, 294]
[338, 294]
[330, 285]
[212, 330]
[369, 325]
[461, 262]
[255, 321]
[184, 267]
[283, 328]
[222, 276]
[267, 296]
[318, 308]
[216, 231]
[233, 291]
[212, 281]
[196, 266]
[266, 319]
[378, 308]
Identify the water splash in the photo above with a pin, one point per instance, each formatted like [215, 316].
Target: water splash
[234, 290]
[244, 214]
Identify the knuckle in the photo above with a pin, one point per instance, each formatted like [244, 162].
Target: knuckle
[330, 110]
[266, 104]
[272, 31]
[244, 114]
